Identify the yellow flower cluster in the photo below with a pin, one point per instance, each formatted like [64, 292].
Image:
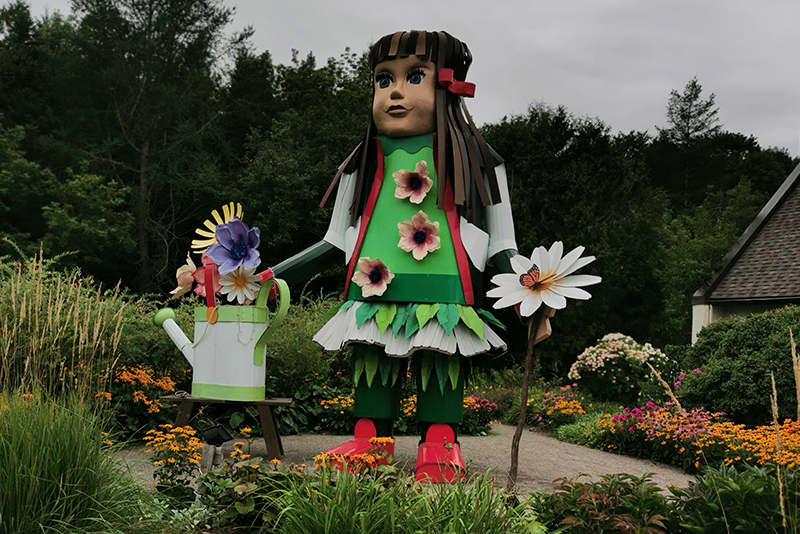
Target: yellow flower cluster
[174, 445]
[409, 406]
[566, 407]
[758, 444]
[339, 403]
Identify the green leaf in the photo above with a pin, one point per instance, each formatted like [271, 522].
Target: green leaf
[245, 507]
[412, 325]
[442, 370]
[395, 370]
[400, 318]
[491, 319]
[448, 317]
[385, 367]
[366, 311]
[425, 312]
[471, 319]
[454, 367]
[358, 368]
[346, 305]
[237, 418]
[385, 314]
[370, 366]
[425, 369]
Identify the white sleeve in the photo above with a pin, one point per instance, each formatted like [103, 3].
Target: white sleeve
[340, 220]
[499, 221]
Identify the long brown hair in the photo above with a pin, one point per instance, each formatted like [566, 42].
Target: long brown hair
[462, 155]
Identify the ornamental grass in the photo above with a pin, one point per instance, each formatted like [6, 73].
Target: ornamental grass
[57, 474]
[58, 332]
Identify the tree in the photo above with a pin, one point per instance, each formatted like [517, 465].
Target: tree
[325, 115]
[153, 86]
[689, 117]
[572, 181]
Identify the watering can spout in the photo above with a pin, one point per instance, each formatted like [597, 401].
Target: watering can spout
[166, 318]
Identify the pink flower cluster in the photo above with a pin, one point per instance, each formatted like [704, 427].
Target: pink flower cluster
[680, 377]
[665, 421]
[474, 403]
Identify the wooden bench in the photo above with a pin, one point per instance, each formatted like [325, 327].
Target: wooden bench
[272, 437]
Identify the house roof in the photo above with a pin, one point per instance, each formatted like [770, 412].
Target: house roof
[765, 263]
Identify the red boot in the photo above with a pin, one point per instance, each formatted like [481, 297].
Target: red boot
[439, 458]
[364, 441]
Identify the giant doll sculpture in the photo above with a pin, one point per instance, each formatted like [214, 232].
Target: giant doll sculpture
[422, 205]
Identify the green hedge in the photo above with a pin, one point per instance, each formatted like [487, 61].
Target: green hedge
[735, 357]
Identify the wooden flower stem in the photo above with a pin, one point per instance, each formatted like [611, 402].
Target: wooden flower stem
[533, 328]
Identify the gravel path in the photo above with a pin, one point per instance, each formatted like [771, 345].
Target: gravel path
[542, 458]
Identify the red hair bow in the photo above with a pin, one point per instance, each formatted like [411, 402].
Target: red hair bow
[446, 80]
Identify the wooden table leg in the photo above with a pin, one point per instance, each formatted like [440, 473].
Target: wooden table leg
[272, 438]
[184, 413]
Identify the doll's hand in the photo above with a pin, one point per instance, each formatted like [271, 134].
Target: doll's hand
[273, 291]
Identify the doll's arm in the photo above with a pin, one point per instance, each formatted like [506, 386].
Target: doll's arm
[312, 260]
[500, 226]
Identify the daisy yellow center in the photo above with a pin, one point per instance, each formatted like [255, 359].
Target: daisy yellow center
[240, 280]
[420, 236]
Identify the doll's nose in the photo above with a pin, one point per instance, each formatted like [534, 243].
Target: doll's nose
[398, 92]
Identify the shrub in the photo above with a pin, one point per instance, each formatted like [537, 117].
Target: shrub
[616, 369]
[736, 356]
[727, 499]
[618, 503]
[177, 454]
[478, 415]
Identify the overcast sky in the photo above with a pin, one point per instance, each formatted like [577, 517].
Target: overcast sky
[616, 60]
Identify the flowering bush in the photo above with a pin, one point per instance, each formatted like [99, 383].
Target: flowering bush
[337, 414]
[177, 454]
[616, 369]
[556, 408]
[360, 463]
[134, 398]
[478, 415]
[693, 439]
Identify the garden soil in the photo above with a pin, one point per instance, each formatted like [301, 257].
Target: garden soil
[542, 458]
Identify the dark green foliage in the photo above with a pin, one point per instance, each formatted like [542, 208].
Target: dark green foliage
[728, 499]
[736, 357]
[618, 503]
[572, 181]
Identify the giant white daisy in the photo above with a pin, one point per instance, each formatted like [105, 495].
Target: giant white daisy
[543, 278]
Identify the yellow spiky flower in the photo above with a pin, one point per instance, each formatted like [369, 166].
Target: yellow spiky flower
[208, 237]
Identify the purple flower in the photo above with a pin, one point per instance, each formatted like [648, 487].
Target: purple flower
[236, 246]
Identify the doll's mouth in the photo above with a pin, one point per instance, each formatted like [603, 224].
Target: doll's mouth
[397, 111]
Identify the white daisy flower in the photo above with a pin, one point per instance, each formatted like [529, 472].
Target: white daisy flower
[240, 285]
[543, 279]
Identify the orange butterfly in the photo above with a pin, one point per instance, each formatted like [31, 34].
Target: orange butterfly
[531, 278]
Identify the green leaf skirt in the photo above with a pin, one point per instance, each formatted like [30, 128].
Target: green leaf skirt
[403, 328]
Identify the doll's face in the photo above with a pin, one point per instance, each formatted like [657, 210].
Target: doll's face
[404, 102]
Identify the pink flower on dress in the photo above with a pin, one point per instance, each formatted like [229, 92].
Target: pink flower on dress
[413, 185]
[372, 277]
[200, 276]
[419, 235]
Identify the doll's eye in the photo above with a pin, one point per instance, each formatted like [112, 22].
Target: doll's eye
[415, 77]
[383, 80]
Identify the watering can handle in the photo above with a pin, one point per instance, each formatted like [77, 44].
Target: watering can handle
[280, 314]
